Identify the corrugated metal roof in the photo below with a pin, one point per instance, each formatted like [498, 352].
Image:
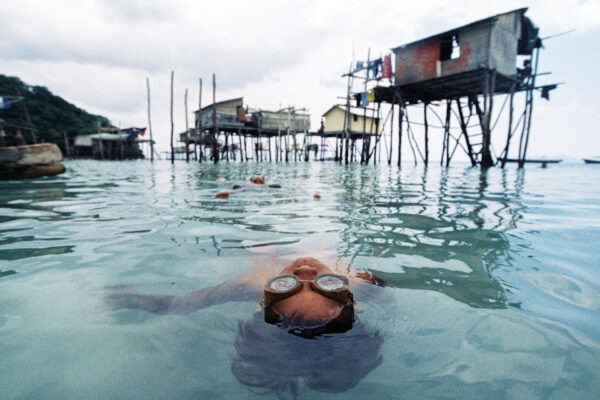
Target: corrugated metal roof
[487, 20]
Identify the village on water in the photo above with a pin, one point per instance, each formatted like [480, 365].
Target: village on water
[458, 81]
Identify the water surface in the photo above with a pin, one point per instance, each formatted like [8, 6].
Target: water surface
[494, 276]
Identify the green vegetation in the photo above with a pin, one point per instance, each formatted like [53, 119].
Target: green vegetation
[52, 118]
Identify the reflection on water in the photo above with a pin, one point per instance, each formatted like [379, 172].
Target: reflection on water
[429, 230]
[441, 236]
[492, 272]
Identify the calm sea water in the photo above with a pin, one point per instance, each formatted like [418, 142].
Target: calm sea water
[494, 277]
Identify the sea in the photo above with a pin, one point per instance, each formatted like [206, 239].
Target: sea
[492, 279]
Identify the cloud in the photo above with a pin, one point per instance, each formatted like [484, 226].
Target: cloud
[98, 54]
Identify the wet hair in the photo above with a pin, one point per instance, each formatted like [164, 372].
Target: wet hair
[273, 358]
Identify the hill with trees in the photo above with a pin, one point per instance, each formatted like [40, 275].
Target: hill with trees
[42, 116]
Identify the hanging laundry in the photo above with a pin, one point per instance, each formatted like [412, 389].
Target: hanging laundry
[371, 95]
[360, 65]
[374, 68]
[364, 99]
[387, 67]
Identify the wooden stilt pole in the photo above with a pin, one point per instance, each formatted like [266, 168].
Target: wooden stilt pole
[200, 127]
[172, 124]
[347, 117]
[269, 147]
[463, 128]
[150, 123]
[400, 119]
[187, 129]
[486, 154]
[510, 124]
[527, 124]
[447, 131]
[215, 144]
[426, 133]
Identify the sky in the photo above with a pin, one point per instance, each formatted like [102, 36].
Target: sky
[99, 54]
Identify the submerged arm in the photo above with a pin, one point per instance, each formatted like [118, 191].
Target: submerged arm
[235, 290]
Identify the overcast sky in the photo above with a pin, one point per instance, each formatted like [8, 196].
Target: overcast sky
[97, 55]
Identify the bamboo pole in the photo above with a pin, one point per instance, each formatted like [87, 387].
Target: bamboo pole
[490, 83]
[199, 124]
[67, 148]
[463, 130]
[400, 118]
[187, 129]
[392, 131]
[347, 116]
[527, 124]
[240, 145]
[100, 142]
[172, 124]
[150, 122]
[426, 134]
[215, 144]
[446, 147]
[510, 123]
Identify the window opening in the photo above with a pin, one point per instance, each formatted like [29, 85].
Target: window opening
[449, 47]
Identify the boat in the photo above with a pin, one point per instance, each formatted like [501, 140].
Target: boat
[30, 161]
[543, 161]
[592, 160]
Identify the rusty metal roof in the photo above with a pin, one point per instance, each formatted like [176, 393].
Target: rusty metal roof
[488, 20]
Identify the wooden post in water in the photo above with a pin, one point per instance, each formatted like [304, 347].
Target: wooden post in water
[121, 144]
[240, 141]
[463, 130]
[446, 144]
[391, 132]
[426, 133]
[529, 107]
[486, 117]
[187, 130]
[199, 125]
[511, 109]
[172, 125]
[347, 117]
[150, 122]
[215, 144]
[100, 142]
[67, 147]
[400, 118]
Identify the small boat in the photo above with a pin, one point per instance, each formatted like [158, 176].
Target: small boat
[542, 161]
[592, 160]
[30, 161]
[535, 160]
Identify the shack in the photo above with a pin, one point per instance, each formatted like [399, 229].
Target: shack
[463, 69]
[337, 118]
[225, 112]
[223, 129]
[454, 63]
[110, 144]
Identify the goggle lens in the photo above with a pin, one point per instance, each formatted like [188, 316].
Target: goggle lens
[330, 282]
[284, 283]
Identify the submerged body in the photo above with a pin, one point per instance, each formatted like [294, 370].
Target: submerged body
[268, 354]
[306, 304]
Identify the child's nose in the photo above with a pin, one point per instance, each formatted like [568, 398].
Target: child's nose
[305, 272]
